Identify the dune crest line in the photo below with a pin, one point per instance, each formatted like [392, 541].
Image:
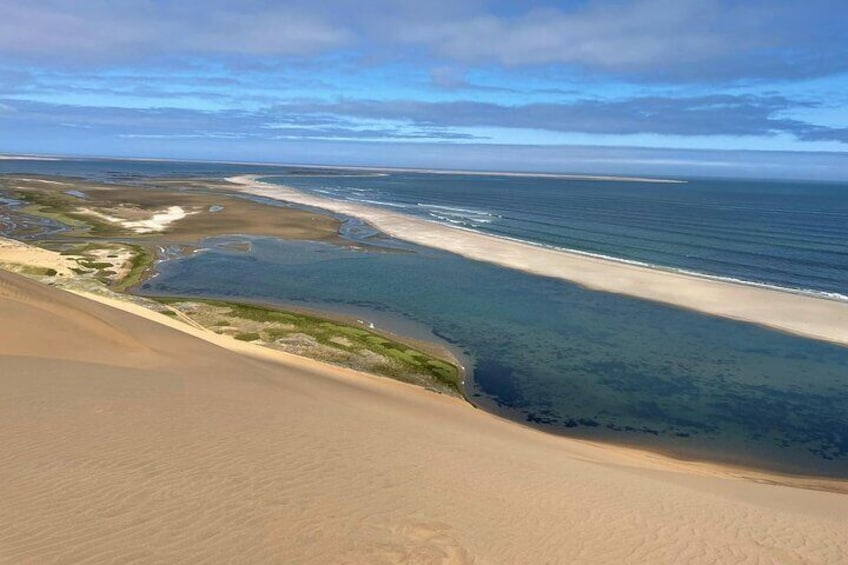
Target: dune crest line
[799, 314]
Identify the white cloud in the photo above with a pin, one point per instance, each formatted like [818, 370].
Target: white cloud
[665, 39]
[657, 39]
[610, 35]
[121, 30]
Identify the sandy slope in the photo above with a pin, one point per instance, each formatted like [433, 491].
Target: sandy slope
[13, 253]
[124, 439]
[804, 315]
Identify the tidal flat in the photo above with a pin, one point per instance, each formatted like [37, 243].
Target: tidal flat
[112, 237]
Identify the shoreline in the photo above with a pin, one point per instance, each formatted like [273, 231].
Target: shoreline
[672, 453]
[799, 314]
[572, 176]
[668, 453]
[265, 324]
[664, 459]
[330, 337]
[685, 461]
[433, 345]
[567, 176]
[627, 455]
[181, 443]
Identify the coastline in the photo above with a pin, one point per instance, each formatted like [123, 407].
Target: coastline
[804, 315]
[569, 176]
[182, 443]
[624, 454]
[208, 445]
[138, 305]
[271, 213]
[366, 169]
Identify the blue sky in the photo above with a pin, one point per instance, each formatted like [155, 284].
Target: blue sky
[715, 87]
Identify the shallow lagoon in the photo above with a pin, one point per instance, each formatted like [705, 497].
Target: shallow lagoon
[547, 353]
[573, 361]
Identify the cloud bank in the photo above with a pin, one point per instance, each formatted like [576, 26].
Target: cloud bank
[659, 39]
[753, 75]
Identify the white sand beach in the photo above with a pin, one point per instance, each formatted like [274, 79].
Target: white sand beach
[805, 315]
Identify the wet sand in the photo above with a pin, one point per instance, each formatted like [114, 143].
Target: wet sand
[804, 315]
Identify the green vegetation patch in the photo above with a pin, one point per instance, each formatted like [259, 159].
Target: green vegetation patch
[326, 340]
[249, 336]
[141, 261]
[33, 270]
[94, 265]
[62, 209]
[90, 261]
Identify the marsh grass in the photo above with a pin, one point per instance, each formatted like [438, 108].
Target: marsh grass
[337, 342]
[60, 208]
[140, 262]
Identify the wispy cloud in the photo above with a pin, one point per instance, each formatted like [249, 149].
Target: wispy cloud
[739, 115]
[654, 39]
[181, 123]
[104, 31]
[157, 75]
[657, 39]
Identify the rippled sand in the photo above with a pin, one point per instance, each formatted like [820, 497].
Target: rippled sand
[125, 439]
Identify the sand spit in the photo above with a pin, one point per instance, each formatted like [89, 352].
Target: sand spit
[800, 314]
[27, 158]
[383, 171]
[127, 439]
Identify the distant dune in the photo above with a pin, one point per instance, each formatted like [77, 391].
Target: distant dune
[125, 439]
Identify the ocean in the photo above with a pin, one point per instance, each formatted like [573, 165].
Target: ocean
[788, 234]
[551, 354]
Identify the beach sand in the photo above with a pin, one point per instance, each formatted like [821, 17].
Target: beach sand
[800, 314]
[129, 436]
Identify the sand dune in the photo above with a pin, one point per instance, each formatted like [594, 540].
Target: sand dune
[157, 222]
[804, 315]
[16, 254]
[127, 440]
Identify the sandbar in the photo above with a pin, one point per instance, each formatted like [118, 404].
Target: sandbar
[27, 158]
[800, 314]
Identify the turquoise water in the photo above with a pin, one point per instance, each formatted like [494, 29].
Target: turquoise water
[553, 355]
